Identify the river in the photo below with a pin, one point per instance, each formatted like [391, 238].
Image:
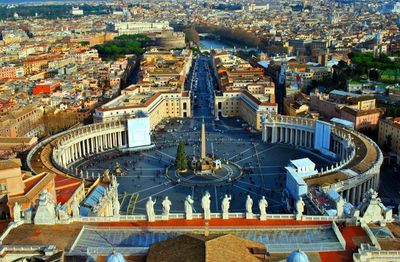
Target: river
[210, 43]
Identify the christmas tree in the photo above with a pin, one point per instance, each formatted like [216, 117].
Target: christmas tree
[181, 161]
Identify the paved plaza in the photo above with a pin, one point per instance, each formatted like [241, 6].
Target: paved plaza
[144, 172]
[228, 139]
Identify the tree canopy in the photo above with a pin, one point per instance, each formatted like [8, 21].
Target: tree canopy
[181, 162]
[123, 45]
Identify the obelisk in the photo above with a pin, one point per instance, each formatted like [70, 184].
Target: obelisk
[203, 140]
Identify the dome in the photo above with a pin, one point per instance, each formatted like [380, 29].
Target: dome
[297, 256]
[115, 257]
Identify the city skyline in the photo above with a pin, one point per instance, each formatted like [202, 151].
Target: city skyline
[200, 130]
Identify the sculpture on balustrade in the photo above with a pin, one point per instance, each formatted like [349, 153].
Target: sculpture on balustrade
[62, 214]
[116, 206]
[117, 169]
[75, 208]
[166, 204]
[17, 212]
[106, 176]
[189, 207]
[151, 217]
[58, 207]
[299, 208]
[45, 212]
[205, 204]
[249, 207]
[262, 205]
[109, 205]
[372, 210]
[225, 205]
[114, 182]
[340, 207]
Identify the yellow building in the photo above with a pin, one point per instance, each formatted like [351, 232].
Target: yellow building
[244, 90]
[244, 105]
[159, 93]
[137, 101]
[22, 123]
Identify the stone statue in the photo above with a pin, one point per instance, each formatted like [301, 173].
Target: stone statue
[151, 217]
[205, 204]
[249, 205]
[17, 212]
[226, 202]
[166, 204]
[189, 207]
[106, 176]
[262, 205]
[109, 205]
[62, 214]
[46, 210]
[116, 206]
[300, 207]
[58, 208]
[117, 169]
[340, 207]
[75, 208]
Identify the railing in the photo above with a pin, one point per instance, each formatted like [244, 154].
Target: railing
[122, 250]
[308, 247]
[339, 235]
[371, 236]
[10, 227]
[201, 216]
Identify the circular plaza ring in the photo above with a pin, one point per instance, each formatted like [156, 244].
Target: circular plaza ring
[228, 174]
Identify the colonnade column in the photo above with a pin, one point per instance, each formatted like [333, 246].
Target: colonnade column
[301, 137]
[353, 195]
[120, 138]
[286, 135]
[273, 138]
[359, 193]
[291, 136]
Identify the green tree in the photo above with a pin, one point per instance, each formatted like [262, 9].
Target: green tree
[191, 35]
[181, 162]
[85, 43]
[374, 74]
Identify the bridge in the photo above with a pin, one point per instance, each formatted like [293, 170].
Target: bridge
[232, 50]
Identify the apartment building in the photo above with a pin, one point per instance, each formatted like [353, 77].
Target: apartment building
[137, 101]
[244, 90]
[25, 122]
[359, 109]
[389, 134]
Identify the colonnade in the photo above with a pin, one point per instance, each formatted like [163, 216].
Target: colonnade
[89, 140]
[289, 135]
[301, 132]
[355, 194]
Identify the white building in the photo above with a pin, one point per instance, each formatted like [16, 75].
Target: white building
[131, 28]
[296, 172]
[76, 11]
